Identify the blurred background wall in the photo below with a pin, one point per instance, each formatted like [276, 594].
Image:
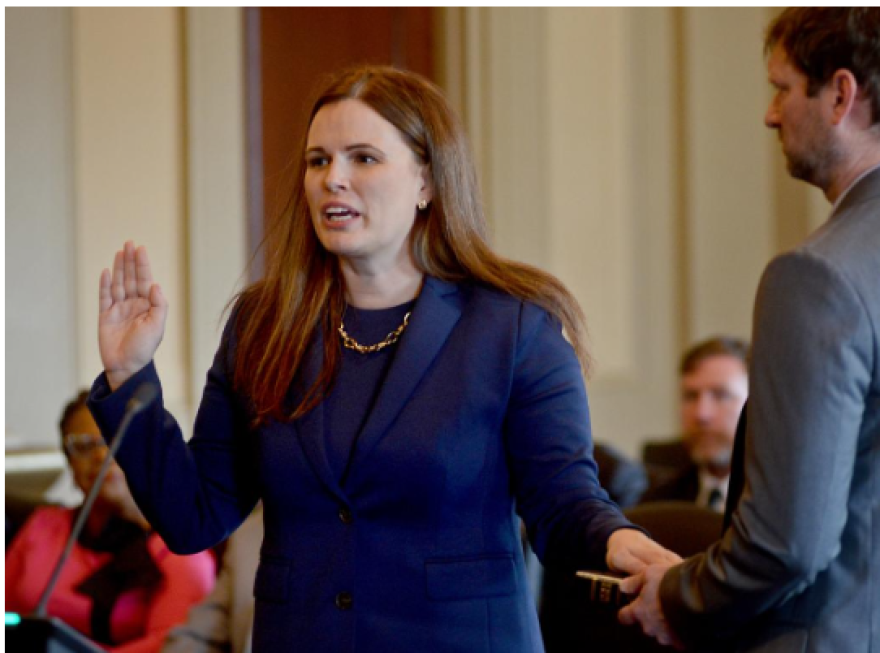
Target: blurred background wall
[621, 149]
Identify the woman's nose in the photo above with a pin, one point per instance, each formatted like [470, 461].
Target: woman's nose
[336, 179]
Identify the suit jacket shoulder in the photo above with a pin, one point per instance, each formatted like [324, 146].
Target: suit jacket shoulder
[783, 571]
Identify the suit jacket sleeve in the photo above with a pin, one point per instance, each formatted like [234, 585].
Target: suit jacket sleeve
[194, 494]
[810, 376]
[549, 447]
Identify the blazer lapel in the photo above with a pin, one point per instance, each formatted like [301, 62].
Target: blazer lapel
[434, 316]
[310, 427]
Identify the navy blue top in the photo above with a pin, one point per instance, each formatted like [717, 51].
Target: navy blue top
[360, 378]
[482, 417]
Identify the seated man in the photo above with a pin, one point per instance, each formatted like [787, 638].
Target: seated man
[714, 387]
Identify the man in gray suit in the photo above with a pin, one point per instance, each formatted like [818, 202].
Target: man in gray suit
[799, 567]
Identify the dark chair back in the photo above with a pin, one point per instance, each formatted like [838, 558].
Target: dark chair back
[680, 526]
[667, 454]
[571, 622]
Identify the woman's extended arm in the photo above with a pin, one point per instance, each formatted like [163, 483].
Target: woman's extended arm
[194, 494]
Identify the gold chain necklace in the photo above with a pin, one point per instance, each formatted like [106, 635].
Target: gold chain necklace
[350, 343]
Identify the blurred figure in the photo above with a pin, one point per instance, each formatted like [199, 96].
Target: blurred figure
[714, 387]
[224, 621]
[121, 586]
[623, 478]
[798, 569]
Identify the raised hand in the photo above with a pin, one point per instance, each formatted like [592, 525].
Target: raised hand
[131, 318]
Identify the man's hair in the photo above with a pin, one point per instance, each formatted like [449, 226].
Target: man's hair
[717, 346]
[819, 41]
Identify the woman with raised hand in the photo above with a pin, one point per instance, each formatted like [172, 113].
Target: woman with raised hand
[394, 391]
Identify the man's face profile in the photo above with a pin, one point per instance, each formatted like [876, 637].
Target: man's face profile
[803, 132]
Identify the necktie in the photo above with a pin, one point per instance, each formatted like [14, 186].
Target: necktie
[715, 501]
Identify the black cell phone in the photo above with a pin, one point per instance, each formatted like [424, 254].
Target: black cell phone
[604, 588]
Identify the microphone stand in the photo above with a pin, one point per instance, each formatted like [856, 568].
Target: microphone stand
[142, 398]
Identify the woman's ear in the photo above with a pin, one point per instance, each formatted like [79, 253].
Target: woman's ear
[427, 190]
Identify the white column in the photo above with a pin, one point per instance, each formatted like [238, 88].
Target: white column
[217, 244]
[41, 329]
[130, 170]
[729, 203]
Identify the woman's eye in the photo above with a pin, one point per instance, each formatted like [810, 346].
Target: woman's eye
[316, 161]
[366, 158]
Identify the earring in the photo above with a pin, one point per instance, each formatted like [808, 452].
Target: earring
[422, 205]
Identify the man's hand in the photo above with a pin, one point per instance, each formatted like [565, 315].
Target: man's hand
[646, 609]
[630, 551]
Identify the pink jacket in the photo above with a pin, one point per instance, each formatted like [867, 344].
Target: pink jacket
[140, 619]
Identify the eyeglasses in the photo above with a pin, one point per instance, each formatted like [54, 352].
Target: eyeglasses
[81, 445]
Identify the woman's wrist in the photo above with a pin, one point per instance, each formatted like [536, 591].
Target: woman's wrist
[118, 377]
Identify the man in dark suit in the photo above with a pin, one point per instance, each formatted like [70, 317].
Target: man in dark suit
[714, 386]
[799, 567]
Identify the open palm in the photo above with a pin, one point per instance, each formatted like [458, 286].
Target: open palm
[132, 312]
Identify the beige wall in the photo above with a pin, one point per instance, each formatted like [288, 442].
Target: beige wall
[129, 167]
[728, 199]
[216, 247]
[41, 329]
[622, 149]
[144, 141]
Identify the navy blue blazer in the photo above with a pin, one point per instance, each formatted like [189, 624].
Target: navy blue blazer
[483, 415]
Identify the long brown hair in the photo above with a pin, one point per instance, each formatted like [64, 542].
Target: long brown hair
[302, 291]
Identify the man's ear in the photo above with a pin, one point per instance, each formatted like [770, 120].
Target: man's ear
[844, 90]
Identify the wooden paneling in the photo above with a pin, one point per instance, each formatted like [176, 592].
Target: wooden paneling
[298, 48]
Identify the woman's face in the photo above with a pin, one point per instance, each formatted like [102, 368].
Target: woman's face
[85, 452]
[362, 184]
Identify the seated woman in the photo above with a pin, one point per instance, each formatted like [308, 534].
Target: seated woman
[121, 586]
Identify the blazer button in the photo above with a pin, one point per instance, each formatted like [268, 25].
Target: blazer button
[344, 601]
[345, 516]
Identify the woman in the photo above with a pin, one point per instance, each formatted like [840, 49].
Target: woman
[121, 586]
[394, 392]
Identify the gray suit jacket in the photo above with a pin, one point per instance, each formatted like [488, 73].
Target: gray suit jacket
[799, 567]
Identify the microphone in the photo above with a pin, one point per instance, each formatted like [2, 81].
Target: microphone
[145, 394]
